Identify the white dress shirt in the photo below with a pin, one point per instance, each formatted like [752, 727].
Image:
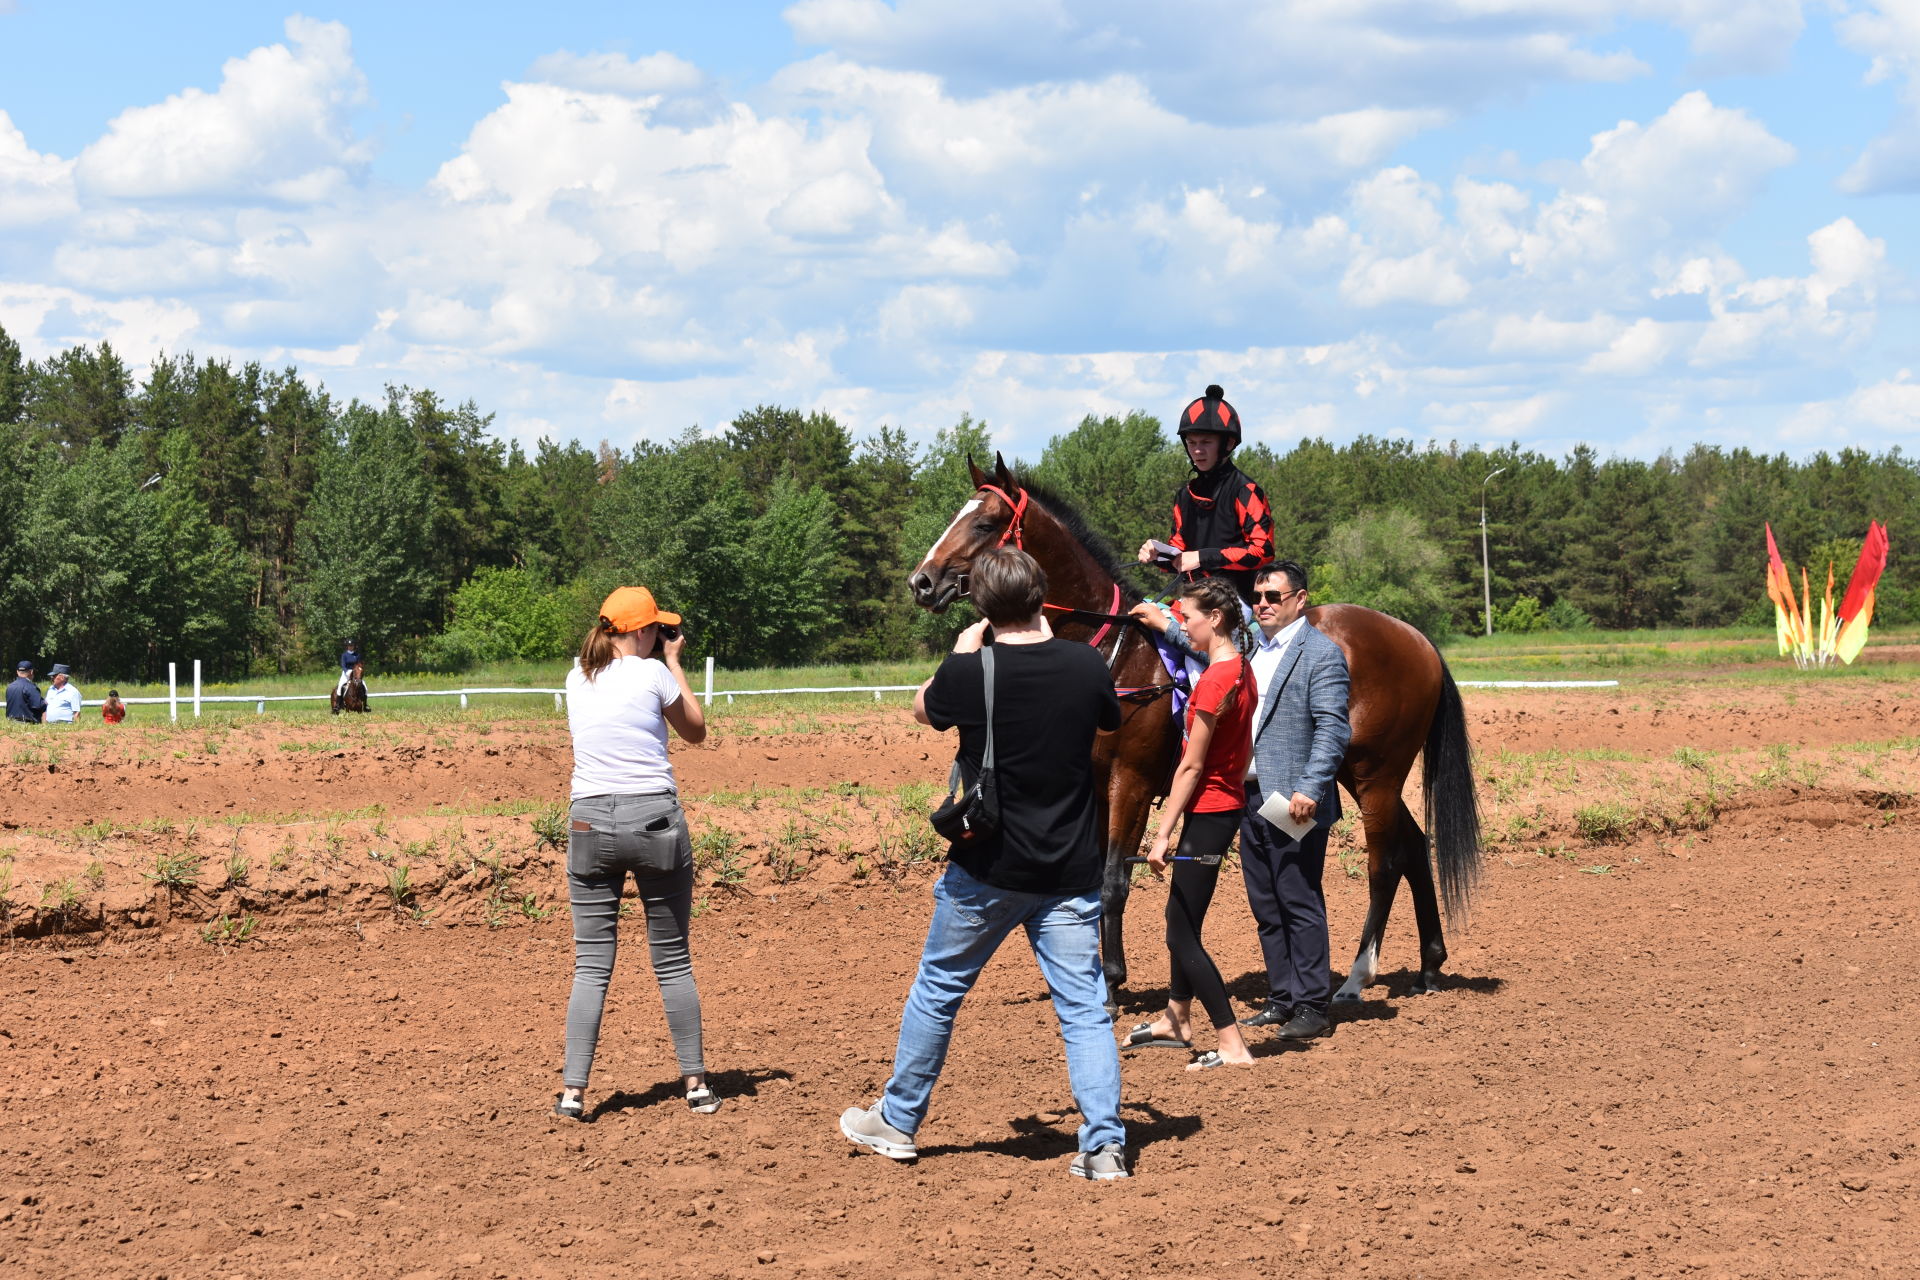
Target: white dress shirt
[1268, 652]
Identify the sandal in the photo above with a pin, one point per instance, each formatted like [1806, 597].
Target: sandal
[702, 1101]
[574, 1110]
[1207, 1061]
[1142, 1037]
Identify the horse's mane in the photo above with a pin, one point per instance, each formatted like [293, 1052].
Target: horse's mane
[1076, 524]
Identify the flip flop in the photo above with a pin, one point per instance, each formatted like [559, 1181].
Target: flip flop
[1207, 1061]
[1142, 1037]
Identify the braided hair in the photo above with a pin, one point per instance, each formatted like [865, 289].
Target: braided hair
[1217, 595]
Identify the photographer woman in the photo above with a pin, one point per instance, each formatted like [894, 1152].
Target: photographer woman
[625, 818]
[1207, 797]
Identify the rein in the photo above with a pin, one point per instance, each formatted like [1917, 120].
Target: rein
[1108, 620]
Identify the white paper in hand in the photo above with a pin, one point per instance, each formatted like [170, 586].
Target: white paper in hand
[1278, 811]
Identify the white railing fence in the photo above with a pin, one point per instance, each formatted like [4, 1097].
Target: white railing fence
[707, 695]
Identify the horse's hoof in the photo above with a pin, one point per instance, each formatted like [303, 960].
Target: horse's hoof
[1346, 997]
[1426, 984]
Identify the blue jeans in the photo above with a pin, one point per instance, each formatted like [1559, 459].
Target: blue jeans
[970, 920]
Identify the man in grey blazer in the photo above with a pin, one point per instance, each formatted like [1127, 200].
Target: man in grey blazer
[1300, 735]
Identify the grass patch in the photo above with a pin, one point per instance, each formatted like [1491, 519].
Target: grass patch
[1604, 823]
[550, 826]
[229, 931]
[718, 852]
[179, 869]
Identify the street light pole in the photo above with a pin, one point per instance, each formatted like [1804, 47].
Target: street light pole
[1486, 573]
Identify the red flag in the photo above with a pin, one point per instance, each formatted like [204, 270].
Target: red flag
[1866, 571]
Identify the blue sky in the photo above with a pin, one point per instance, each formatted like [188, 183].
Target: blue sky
[1637, 224]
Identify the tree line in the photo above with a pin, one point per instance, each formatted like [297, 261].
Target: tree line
[244, 516]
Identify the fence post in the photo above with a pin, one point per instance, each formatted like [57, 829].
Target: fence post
[463, 699]
[173, 692]
[708, 700]
[260, 707]
[558, 705]
[196, 688]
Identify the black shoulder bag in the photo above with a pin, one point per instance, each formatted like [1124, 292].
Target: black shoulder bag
[973, 813]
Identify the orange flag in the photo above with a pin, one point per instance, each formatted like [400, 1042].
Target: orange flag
[1780, 591]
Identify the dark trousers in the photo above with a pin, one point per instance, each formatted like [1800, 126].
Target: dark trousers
[1192, 971]
[1283, 888]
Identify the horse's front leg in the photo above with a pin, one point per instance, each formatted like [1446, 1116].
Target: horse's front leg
[1116, 883]
[1129, 802]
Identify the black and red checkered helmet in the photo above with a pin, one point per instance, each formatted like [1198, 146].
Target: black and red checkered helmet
[1211, 412]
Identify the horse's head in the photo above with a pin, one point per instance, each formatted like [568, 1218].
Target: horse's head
[985, 521]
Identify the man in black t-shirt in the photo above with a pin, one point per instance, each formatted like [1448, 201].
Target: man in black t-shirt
[1040, 872]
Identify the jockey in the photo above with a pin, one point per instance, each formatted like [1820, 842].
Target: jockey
[1222, 522]
[349, 659]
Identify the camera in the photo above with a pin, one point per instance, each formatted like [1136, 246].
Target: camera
[669, 631]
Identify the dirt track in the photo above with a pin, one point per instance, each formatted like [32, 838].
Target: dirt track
[141, 773]
[1695, 1062]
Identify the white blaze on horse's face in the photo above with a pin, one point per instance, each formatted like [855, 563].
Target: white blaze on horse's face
[973, 505]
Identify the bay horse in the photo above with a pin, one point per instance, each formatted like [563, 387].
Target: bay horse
[354, 696]
[1403, 701]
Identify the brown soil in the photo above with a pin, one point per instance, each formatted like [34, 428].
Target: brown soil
[1687, 1051]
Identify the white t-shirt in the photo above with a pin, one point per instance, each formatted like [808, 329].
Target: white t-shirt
[63, 704]
[619, 726]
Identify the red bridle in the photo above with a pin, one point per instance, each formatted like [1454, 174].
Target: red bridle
[1018, 508]
[1013, 534]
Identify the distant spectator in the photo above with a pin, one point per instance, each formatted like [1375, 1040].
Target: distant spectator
[63, 699]
[24, 702]
[113, 711]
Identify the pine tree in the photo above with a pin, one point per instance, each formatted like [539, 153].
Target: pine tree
[363, 571]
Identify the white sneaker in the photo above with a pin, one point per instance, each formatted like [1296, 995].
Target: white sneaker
[864, 1127]
[1105, 1165]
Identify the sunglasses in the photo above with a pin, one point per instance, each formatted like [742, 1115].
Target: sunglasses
[1272, 597]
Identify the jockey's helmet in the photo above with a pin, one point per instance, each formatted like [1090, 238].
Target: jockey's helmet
[1211, 412]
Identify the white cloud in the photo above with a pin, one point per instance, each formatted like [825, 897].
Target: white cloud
[1889, 408]
[1225, 62]
[1688, 171]
[1734, 36]
[657, 73]
[45, 319]
[1888, 32]
[622, 248]
[33, 187]
[278, 126]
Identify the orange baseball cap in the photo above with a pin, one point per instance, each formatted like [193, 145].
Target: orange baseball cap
[631, 608]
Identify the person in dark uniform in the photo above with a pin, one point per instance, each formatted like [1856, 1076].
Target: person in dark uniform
[349, 659]
[24, 702]
[1222, 522]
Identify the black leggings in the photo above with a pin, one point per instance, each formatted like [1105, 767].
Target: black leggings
[1202, 835]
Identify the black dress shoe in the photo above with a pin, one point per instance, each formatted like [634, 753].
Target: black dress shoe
[1273, 1015]
[1307, 1023]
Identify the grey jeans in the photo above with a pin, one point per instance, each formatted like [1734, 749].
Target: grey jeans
[611, 837]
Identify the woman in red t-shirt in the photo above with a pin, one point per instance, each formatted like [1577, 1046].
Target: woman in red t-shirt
[1209, 793]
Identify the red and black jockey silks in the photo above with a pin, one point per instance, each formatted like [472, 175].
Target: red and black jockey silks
[1225, 517]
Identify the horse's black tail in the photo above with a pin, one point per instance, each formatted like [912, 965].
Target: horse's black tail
[1453, 809]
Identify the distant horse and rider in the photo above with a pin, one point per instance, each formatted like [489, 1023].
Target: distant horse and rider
[350, 694]
[1403, 702]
